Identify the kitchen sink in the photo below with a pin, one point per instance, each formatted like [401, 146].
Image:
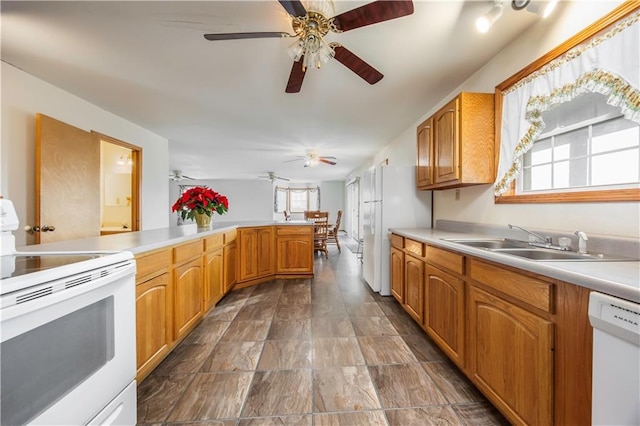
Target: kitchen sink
[492, 244]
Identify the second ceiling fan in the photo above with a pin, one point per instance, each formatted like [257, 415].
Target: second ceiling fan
[310, 26]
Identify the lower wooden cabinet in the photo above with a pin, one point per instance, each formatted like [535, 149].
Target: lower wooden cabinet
[229, 275]
[255, 253]
[294, 250]
[213, 265]
[153, 307]
[187, 297]
[444, 312]
[511, 357]
[414, 287]
[397, 274]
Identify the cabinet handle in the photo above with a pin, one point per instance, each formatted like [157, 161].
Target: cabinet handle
[48, 228]
[31, 229]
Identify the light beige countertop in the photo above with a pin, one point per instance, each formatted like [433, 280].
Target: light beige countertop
[620, 279]
[141, 241]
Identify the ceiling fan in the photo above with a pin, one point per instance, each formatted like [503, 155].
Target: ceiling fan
[312, 159]
[311, 24]
[272, 177]
[177, 176]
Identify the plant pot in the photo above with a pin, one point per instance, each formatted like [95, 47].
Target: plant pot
[202, 220]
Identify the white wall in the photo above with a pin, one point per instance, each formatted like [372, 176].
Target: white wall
[476, 203]
[332, 199]
[22, 97]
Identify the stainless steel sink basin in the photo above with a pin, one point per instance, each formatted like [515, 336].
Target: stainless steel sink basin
[492, 244]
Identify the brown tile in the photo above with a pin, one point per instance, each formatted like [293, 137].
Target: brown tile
[369, 418]
[479, 413]
[299, 329]
[385, 350]
[239, 295]
[244, 331]
[212, 396]
[285, 355]
[392, 308]
[331, 327]
[256, 312]
[227, 422]
[186, 358]
[404, 324]
[158, 394]
[373, 326]
[276, 393]
[436, 415]
[357, 296]
[208, 332]
[365, 309]
[452, 383]
[423, 348]
[270, 287]
[295, 298]
[297, 420]
[264, 299]
[289, 312]
[343, 389]
[330, 310]
[336, 352]
[233, 356]
[226, 312]
[405, 385]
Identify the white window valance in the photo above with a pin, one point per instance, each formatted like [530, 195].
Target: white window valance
[608, 64]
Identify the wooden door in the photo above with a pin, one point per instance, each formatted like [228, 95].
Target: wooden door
[187, 293]
[213, 278]
[424, 171]
[265, 246]
[248, 251]
[444, 312]
[511, 358]
[397, 274]
[294, 254]
[446, 144]
[414, 287]
[67, 193]
[230, 267]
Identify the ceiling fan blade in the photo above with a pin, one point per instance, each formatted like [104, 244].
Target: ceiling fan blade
[372, 13]
[293, 7]
[239, 36]
[322, 160]
[357, 65]
[295, 78]
[328, 157]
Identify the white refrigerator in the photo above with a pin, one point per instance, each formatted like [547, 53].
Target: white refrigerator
[389, 200]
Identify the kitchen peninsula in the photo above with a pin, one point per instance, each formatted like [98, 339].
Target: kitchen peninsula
[182, 272]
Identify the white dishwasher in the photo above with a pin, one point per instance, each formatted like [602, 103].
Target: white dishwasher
[616, 360]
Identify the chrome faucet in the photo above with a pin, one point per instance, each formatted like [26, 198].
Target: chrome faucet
[582, 242]
[545, 240]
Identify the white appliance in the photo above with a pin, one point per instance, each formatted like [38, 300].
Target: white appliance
[616, 360]
[67, 335]
[390, 200]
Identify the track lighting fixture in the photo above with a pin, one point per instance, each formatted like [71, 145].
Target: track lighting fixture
[540, 7]
[486, 20]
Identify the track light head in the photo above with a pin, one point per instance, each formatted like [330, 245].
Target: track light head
[486, 20]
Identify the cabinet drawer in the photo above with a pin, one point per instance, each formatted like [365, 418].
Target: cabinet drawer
[445, 259]
[531, 291]
[152, 263]
[294, 230]
[213, 241]
[397, 241]
[187, 251]
[230, 236]
[414, 247]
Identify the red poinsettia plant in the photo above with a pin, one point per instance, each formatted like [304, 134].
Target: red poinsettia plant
[200, 199]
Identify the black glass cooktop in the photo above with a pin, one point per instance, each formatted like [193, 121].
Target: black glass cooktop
[23, 264]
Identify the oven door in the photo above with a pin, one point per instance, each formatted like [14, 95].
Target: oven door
[68, 353]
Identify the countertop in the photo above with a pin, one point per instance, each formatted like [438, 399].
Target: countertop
[141, 241]
[619, 279]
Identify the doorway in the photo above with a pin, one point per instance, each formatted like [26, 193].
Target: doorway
[353, 206]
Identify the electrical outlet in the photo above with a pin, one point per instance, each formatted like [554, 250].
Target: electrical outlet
[457, 195]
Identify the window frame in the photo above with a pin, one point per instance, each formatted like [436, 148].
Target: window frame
[288, 190]
[604, 195]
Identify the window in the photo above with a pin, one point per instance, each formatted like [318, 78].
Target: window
[601, 154]
[296, 200]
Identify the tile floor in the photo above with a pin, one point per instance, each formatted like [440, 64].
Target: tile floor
[326, 351]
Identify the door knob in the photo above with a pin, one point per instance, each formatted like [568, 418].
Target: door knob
[48, 228]
[32, 229]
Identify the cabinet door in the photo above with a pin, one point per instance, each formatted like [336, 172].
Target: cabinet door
[213, 286]
[230, 267]
[444, 312]
[153, 323]
[511, 358]
[414, 287]
[294, 254]
[424, 170]
[248, 252]
[397, 274]
[265, 254]
[187, 285]
[446, 143]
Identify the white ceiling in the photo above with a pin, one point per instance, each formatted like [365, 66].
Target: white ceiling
[222, 105]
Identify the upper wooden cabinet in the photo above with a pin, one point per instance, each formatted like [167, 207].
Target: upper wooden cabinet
[456, 144]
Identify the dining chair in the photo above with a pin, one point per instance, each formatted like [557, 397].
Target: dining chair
[320, 232]
[333, 232]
